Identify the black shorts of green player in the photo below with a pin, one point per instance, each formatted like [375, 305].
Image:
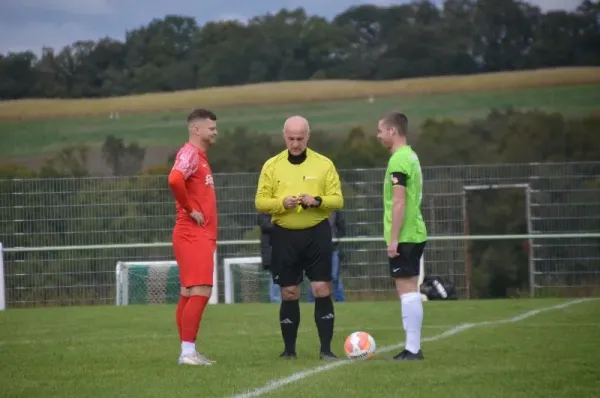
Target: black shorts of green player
[408, 262]
[299, 252]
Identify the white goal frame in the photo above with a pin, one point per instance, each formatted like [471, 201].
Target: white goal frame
[227, 274]
[2, 286]
[230, 261]
[122, 280]
[526, 189]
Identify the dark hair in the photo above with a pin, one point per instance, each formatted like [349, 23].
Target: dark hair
[201, 114]
[397, 120]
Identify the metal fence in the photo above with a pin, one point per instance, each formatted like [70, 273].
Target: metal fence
[553, 198]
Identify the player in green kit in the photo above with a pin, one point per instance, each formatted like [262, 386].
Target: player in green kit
[403, 226]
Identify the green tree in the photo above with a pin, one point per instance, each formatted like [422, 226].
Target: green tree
[123, 159]
[71, 161]
[420, 38]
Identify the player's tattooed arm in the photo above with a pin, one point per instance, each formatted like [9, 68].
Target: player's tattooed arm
[186, 164]
[398, 207]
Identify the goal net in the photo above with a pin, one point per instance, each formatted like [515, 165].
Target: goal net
[151, 282]
[246, 281]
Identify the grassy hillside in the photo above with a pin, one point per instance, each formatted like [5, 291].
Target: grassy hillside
[297, 92]
[167, 129]
[570, 91]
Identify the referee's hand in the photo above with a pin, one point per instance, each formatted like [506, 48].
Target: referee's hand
[289, 202]
[307, 200]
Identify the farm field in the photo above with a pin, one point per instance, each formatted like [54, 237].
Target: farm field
[40, 137]
[497, 348]
[298, 92]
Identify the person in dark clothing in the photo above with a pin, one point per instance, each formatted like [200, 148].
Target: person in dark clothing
[338, 230]
[266, 229]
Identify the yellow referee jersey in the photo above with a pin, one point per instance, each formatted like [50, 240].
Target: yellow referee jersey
[315, 176]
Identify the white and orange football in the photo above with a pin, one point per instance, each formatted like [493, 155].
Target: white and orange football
[360, 345]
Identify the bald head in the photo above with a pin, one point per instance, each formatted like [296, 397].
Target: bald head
[296, 131]
[296, 124]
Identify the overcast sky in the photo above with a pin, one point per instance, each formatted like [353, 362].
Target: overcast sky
[31, 24]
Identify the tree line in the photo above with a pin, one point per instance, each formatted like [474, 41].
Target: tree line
[363, 42]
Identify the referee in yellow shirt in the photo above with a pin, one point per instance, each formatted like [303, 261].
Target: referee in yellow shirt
[300, 188]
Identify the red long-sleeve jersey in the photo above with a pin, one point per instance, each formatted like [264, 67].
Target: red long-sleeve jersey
[192, 185]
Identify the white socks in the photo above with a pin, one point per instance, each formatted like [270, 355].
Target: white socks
[412, 320]
[187, 348]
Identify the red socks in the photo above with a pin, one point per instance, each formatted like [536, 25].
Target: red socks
[179, 313]
[191, 316]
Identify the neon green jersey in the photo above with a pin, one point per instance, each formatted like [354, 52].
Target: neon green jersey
[404, 168]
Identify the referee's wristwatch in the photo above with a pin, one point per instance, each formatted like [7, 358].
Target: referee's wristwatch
[319, 200]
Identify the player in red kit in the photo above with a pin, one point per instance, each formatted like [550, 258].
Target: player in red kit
[195, 232]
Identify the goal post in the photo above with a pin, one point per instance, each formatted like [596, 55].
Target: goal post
[526, 189]
[249, 267]
[152, 282]
[2, 287]
[246, 281]
[421, 270]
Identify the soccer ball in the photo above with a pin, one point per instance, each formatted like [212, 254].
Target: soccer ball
[360, 345]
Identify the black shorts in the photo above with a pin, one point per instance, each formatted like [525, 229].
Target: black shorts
[301, 251]
[408, 263]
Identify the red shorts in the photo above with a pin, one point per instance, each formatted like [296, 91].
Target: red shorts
[195, 258]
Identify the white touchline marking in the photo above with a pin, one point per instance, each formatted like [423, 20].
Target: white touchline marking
[276, 384]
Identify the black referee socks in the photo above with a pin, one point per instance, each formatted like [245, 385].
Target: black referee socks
[289, 319]
[324, 318]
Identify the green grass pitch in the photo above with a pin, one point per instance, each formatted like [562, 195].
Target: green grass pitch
[166, 129]
[132, 351]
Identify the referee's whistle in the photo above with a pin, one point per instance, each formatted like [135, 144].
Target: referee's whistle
[302, 206]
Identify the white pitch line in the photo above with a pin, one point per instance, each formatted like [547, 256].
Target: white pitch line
[278, 383]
